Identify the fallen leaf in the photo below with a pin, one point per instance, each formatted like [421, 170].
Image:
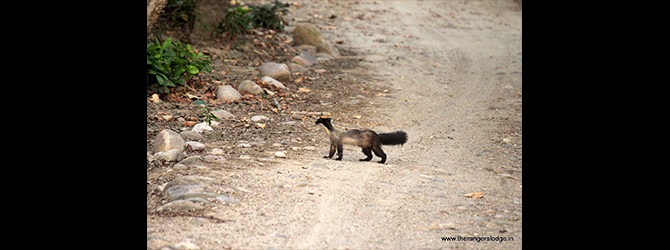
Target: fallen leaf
[474, 195]
[303, 90]
[357, 116]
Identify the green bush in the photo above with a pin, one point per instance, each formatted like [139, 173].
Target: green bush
[236, 21]
[239, 20]
[169, 63]
[267, 16]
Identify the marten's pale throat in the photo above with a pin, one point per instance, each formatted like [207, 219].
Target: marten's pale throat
[367, 139]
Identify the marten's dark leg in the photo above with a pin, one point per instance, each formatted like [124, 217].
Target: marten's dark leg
[379, 152]
[367, 152]
[339, 152]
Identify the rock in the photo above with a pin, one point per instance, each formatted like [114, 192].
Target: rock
[280, 154]
[189, 180]
[309, 148]
[227, 200]
[195, 145]
[325, 47]
[200, 127]
[320, 71]
[190, 195]
[222, 114]
[258, 118]
[217, 151]
[179, 206]
[271, 81]
[250, 87]
[168, 140]
[191, 135]
[183, 189]
[277, 71]
[170, 155]
[157, 243]
[192, 160]
[227, 93]
[296, 68]
[244, 157]
[301, 61]
[307, 34]
[506, 140]
[244, 145]
[311, 58]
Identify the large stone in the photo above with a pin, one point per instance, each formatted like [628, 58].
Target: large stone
[307, 34]
[227, 93]
[167, 140]
[250, 87]
[277, 71]
[222, 114]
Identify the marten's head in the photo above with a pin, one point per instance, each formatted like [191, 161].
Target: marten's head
[323, 120]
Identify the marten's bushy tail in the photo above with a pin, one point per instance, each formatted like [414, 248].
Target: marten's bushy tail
[395, 138]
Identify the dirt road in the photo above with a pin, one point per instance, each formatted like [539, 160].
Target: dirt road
[453, 71]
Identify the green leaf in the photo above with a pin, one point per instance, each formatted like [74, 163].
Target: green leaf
[167, 43]
[192, 69]
[200, 102]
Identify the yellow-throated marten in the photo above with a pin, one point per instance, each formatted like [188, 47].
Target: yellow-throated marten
[366, 139]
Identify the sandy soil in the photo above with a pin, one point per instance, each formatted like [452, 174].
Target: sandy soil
[449, 73]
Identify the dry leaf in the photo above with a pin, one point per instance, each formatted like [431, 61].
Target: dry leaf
[303, 90]
[155, 98]
[357, 116]
[474, 195]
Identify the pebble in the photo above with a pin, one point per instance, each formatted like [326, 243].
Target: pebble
[244, 145]
[222, 114]
[294, 67]
[227, 93]
[277, 71]
[186, 246]
[309, 57]
[258, 118]
[301, 61]
[271, 81]
[227, 200]
[245, 157]
[320, 71]
[168, 140]
[280, 154]
[217, 151]
[310, 148]
[201, 127]
[195, 145]
[192, 160]
[250, 87]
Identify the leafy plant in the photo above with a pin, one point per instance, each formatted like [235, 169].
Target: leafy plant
[169, 63]
[208, 116]
[236, 21]
[267, 16]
